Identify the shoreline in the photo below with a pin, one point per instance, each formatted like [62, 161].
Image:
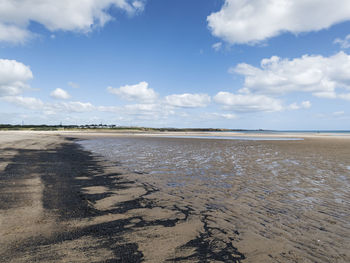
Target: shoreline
[192, 135]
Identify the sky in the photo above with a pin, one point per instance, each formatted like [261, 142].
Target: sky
[241, 64]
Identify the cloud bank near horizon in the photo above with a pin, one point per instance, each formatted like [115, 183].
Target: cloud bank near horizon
[148, 103]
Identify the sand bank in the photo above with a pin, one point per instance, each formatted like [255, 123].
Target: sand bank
[60, 203]
[123, 133]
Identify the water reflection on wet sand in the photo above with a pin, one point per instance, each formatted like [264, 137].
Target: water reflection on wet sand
[273, 201]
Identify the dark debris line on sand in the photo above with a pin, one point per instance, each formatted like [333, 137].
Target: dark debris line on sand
[63, 194]
[208, 248]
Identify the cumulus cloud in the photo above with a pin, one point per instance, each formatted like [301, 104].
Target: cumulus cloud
[338, 113]
[71, 106]
[13, 77]
[344, 96]
[32, 103]
[188, 100]
[25, 102]
[303, 105]
[155, 111]
[252, 21]
[306, 104]
[109, 108]
[215, 115]
[66, 15]
[344, 43]
[13, 34]
[138, 5]
[247, 102]
[142, 107]
[319, 75]
[138, 92]
[228, 116]
[60, 94]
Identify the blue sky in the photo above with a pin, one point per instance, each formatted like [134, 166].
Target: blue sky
[185, 63]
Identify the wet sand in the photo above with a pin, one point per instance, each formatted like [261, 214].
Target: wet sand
[274, 201]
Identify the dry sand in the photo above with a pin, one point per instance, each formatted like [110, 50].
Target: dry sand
[60, 203]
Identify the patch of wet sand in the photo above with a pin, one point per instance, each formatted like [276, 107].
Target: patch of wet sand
[67, 187]
[94, 210]
[272, 201]
[44, 214]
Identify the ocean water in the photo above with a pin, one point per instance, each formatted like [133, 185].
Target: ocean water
[276, 132]
[243, 138]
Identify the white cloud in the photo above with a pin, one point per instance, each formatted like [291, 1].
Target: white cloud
[60, 94]
[227, 116]
[217, 46]
[188, 100]
[25, 102]
[338, 113]
[71, 106]
[147, 111]
[252, 21]
[13, 77]
[138, 92]
[319, 75]
[294, 106]
[66, 15]
[38, 105]
[344, 43]
[138, 5]
[344, 96]
[302, 105]
[30, 103]
[109, 108]
[13, 34]
[247, 102]
[139, 108]
[306, 104]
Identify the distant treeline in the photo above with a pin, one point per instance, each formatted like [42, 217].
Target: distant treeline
[109, 127]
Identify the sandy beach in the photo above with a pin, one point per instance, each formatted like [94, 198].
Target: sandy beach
[67, 197]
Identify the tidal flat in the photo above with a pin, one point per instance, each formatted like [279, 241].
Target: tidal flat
[80, 197]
